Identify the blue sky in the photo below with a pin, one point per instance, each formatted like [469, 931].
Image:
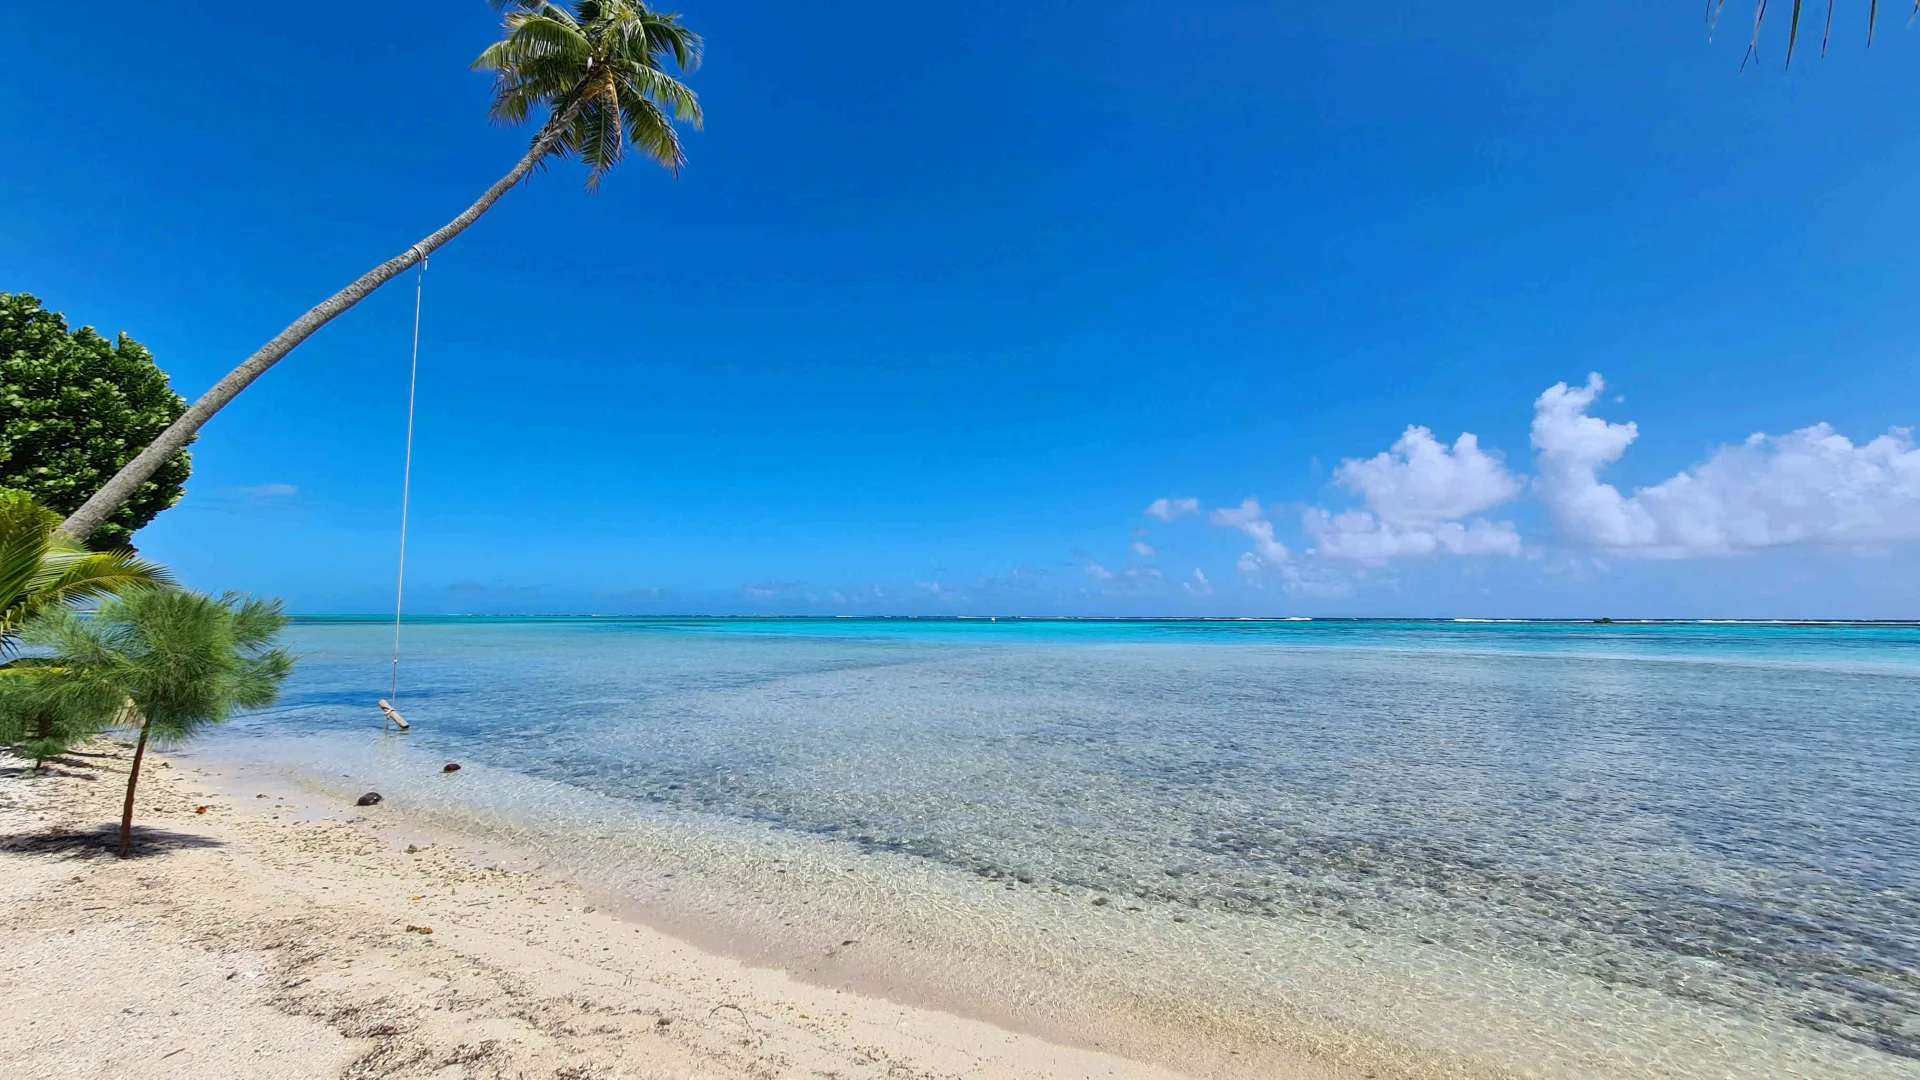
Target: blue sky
[942, 305]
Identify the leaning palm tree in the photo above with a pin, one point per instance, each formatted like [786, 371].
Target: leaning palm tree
[1793, 25]
[597, 68]
[42, 570]
[168, 662]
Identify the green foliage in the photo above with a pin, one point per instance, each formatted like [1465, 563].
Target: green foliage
[41, 570]
[600, 67]
[175, 662]
[44, 712]
[74, 408]
[184, 660]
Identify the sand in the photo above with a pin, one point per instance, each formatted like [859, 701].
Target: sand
[268, 937]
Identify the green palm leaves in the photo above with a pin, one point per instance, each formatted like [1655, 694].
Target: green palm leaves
[153, 657]
[1793, 24]
[43, 573]
[598, 66]
[42, 570]
[600, 69]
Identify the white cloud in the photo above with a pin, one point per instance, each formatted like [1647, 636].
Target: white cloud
[1570, 448]
[270, 491]
[1417, 495]
[1249, 518]
[1144, 549]
[1173, 509]
[1420, 481]
[1199, 586]
[1095, 570]
[1810, 486]
[1359, 536]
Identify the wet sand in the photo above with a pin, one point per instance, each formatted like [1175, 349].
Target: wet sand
[280, 937]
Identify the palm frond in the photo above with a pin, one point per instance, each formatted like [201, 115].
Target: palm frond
[649, 129]
[1793, 26]
[72, 576]
[599, 71]
[42, 570]
[533, 7]
[604, 142]
[660, 87]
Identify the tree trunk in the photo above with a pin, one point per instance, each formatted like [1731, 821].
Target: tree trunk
[43, 734]
[96, 510]
[133, 778]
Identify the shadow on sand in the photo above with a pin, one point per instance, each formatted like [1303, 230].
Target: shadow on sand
[103, 841]
[73, 766]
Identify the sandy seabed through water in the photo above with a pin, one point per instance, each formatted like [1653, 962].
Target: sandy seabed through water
[281, 936]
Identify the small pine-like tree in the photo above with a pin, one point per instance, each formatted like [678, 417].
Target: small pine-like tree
[177, 661]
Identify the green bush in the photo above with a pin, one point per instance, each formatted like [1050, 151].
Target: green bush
[74, 408]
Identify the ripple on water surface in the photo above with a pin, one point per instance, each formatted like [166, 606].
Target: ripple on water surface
[1551, 851]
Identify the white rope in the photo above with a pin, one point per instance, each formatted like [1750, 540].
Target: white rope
[406, 483]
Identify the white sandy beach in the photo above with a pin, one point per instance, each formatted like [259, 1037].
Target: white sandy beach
[265, 939]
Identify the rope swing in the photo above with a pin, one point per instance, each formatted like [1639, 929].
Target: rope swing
[406, 493]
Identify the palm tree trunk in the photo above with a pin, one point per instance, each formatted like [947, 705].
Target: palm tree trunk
[95, 511]
[133, 778]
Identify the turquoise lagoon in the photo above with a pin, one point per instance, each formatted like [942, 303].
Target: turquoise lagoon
[1405, 848]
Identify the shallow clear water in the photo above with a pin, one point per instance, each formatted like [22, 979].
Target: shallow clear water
[1717, 817]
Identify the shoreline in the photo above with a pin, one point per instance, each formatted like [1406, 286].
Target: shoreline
[1188, 980]
[268, 937]
[768, 953]
[814, 912]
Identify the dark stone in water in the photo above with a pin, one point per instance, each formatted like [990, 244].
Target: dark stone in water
[368, 799]
[452, 766]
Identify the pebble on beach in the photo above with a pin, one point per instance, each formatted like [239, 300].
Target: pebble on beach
[451, 766]
[368, 799]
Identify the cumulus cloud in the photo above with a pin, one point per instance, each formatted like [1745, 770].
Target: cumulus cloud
[1249, 518]
[1421, 481]
[1362, 537]
[1173, 509]
[1199, 586]
[1811, 486]
[1417, 496]
[1144, 549]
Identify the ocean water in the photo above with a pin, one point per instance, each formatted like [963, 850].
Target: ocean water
[1423, 848]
